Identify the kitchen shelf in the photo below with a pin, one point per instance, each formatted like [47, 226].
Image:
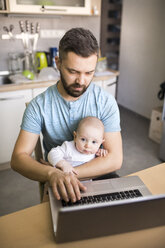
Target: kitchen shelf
[114, 6]
[110, 31]
[113, 48]
[114, 21]
[113, 34]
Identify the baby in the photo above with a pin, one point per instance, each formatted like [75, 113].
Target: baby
[85, 146]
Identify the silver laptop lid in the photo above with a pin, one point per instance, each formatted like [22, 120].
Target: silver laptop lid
[110, 218]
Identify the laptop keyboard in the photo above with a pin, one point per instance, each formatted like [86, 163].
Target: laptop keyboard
[104, 198]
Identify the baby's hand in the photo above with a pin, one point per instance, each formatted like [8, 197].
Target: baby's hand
[101, 152]
[65, 167]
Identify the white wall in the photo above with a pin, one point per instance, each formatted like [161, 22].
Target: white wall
[142, 55]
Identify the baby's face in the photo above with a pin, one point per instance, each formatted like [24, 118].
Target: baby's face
[88, 140]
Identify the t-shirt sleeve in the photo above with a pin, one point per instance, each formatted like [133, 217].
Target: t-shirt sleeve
[110, 115]
[32, 118]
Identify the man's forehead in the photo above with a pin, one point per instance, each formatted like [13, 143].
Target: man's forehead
[71, 55]
[77, 70]
[78, 63]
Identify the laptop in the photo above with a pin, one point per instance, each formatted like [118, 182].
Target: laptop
[108, 207]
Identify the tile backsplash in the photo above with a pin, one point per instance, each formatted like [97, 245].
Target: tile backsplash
[57, 22]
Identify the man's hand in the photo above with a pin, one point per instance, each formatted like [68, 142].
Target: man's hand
[65, 186]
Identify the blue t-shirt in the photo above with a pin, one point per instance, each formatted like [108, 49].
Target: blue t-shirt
[57, 118]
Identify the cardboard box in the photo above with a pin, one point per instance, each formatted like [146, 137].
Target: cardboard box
[156, 125]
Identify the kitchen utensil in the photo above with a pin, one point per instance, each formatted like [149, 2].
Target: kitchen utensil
[27, 25]
[11, 27]
[36, 35]
[22, 33]
[25, 34]
[9, 30]
[28, 64]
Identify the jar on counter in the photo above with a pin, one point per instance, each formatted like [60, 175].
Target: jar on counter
[15, 61]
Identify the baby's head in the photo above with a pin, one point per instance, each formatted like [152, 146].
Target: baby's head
[89, 135]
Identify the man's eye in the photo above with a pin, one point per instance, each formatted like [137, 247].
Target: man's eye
[89, 73]
[72, 72]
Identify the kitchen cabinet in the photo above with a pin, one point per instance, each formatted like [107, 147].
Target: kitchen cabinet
[109, 85]
[56, 7]
[12, 106]
[37, 91]
[4, 6]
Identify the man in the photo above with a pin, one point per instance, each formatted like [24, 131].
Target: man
[57, 111]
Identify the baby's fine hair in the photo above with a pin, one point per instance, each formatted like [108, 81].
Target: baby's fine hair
[92, 121]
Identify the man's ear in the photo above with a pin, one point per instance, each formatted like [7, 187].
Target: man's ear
[58, 63]
[74, 134]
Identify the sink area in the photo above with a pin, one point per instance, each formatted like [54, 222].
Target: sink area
[46, 74]
[4, 77]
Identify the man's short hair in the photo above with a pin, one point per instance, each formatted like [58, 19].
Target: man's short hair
[80, 41]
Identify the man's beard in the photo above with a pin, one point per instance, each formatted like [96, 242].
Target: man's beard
[71, 89]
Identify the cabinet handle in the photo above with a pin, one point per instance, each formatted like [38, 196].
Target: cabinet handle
[11, 98]
[43, 8]
[111, 84]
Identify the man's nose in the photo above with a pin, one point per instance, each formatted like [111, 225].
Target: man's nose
[80, 79]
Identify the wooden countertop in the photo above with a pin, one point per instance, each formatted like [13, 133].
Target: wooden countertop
[24, 86]
[41, 84]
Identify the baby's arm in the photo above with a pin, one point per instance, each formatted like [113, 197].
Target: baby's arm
[101, 152]
[65, 167]
[56, 158]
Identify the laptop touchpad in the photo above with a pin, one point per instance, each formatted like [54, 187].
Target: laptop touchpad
[98, 187]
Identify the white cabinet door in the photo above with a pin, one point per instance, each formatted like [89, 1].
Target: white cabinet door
[12, 106]
[99, 83]
[37, 91]
[111, 88]
[109, 85]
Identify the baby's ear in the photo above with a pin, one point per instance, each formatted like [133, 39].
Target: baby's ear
[103, 141]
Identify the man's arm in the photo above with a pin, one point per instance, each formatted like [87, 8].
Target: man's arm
[65, 185]
[104, 165]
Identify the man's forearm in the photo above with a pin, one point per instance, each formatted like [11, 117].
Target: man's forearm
[30, 168]
[99, 166]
